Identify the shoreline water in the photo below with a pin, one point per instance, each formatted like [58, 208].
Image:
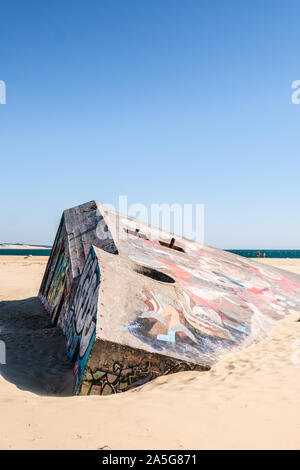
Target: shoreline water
[25, 252]
[265, 253]
[270, 254]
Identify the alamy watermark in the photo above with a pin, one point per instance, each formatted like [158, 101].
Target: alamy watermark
[2, 352]
[2, 92]
[295, 357]
[183, 220]
[296, 94]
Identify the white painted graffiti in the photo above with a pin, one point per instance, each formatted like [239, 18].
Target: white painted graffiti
[295, 357]
[2, 352]
[85, 303]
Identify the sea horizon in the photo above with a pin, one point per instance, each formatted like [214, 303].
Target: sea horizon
[247, 253]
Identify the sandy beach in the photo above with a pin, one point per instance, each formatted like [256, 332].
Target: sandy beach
[249, 400]
[290, 264]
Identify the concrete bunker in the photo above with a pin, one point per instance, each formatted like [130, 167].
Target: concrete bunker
[135, 302]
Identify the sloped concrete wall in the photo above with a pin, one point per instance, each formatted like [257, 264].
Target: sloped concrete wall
[75, 236]
[115, 368]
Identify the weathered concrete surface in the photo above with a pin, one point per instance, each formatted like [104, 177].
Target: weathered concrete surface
[134, 303]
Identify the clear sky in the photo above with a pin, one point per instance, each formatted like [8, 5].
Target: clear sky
[160, 100]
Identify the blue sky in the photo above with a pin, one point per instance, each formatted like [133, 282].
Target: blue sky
[164, 101]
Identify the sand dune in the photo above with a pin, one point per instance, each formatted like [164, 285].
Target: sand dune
[291, 264]
[248, 400]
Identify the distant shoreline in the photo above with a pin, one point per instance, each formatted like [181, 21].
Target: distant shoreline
[20, 246]
[25, 252]
[265, 253]
[42, 250]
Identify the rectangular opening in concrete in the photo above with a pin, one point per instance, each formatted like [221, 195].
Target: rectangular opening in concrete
[171, 245]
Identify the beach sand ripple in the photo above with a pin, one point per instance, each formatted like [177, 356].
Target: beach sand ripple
[35, 351]
[249, 400]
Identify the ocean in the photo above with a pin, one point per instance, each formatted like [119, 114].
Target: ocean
[246, 253]
[268, 253]
[24, 252]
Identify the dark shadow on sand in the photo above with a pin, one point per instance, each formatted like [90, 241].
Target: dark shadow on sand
[36, 358]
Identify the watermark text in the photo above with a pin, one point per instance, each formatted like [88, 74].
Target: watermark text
[2, 352]
[296, 94]
[2, 92]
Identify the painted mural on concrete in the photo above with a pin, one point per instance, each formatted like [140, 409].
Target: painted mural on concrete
[69, 296]
[57, 284]
[182, 305]
[79, 322]
[175, 327]
[221, 300]
[114, 368]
